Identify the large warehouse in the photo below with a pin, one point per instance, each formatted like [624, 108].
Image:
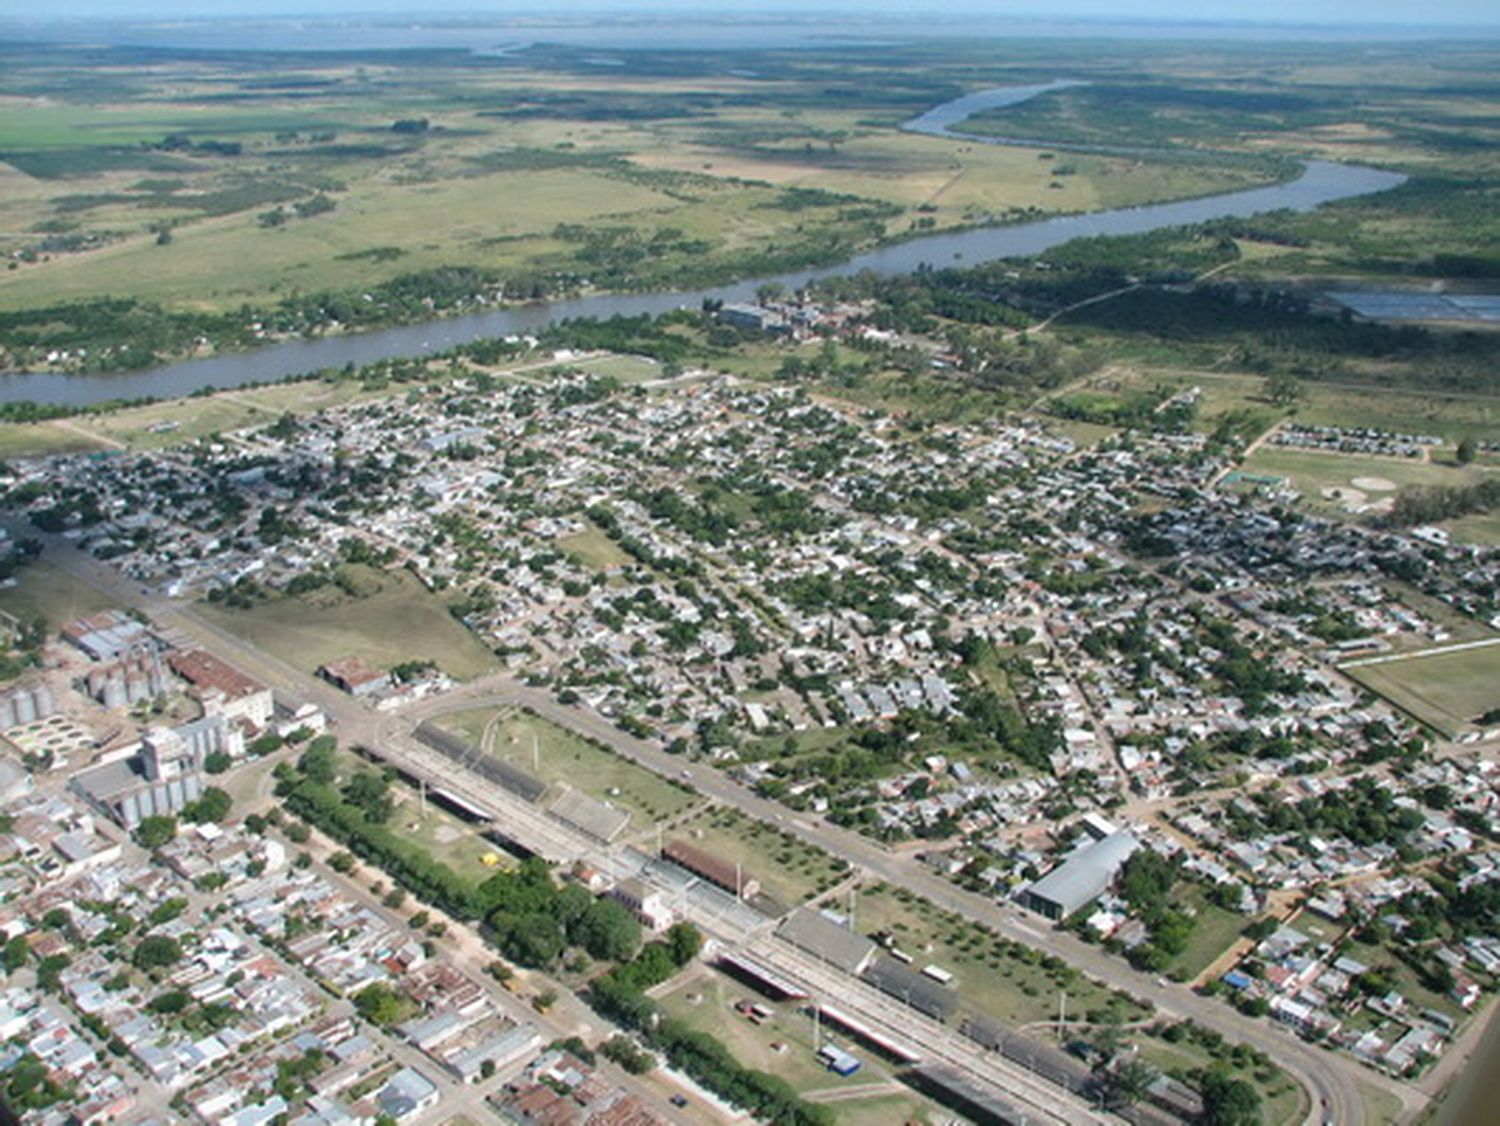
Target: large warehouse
[1082, 877]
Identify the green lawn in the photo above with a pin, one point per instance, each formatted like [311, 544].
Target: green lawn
[1310, 472]
[1214, 929]
[594, 549]
[400, 621]
[627, 369]
[41, 439]
[705, 1001]
[1447, 690]
[559, 757]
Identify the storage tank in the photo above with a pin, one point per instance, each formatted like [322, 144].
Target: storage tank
[25, 710]
[41, 697]
[7, 713]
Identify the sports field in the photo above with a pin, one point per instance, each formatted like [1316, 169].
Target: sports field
[1448, 690]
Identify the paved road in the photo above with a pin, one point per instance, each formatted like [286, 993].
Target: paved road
[1329, 1078]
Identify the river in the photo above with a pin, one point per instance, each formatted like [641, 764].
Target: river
[1321, 182]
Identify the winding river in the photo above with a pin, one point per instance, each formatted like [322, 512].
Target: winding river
[1321, 182]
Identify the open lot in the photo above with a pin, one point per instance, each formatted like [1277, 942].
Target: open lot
[1449, 691]
[559, 757]
[399, 621]
[789, 870]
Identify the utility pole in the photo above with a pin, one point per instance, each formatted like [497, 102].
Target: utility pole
[817, 1026]
[1062, 1004]
[422, 795]
[536, 755]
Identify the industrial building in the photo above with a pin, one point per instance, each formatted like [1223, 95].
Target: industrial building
[1084, 876]
[161, 780]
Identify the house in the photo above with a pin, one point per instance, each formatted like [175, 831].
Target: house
[355, 676]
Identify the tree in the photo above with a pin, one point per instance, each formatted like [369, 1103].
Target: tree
[156, 952]
[1283, 389]
[1466, 449]
[379, 1004]
[155, 831]
[371, 792]
[212, 806]
[683, 943]
[17, 950]
[1228, 1101]
[342, 862]
[318, 762]
[216, 762]
[1128, 1084]
[534, 940]
[608, 931]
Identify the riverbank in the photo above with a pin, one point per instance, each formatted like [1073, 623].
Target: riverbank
[1322, 182]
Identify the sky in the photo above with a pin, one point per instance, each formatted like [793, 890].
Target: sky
[1338, 12]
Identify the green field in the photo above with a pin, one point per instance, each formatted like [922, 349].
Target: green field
[1448, 691]
[1310, 472]
[705, 1001]
[594, 549]
[627, 369]
[53, 594]
[1214, 931]
[789, 870]
[443, 836]
[400, 621]
[1284, 1101]
[559, 757]
[41, 439]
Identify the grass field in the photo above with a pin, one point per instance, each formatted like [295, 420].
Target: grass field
[1447, 690]
[179, 421]
[1310, 472]
[705, 1001]
[594, 549]
[627, 369]
[1011, 983]
[53, 594]
[40, 439]
[563, 758]
[1214, 930]
[443, 836]
[789, 870]
[400, 621]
